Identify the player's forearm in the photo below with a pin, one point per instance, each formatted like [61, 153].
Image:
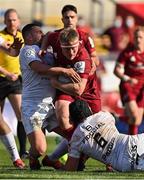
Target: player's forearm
[72, 89]
[3, 71]
[95, 62]
[119, 72]
[56, 71]
[10, 51]
[44, 69]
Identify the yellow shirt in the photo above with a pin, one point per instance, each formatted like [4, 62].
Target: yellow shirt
[7, 62]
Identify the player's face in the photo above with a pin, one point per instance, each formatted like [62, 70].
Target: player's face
[139, 40]
[69, 19]
[12, 22]
[37, 35]
[71, 51]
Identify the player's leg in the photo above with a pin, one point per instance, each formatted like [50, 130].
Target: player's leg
[62, 113]
[135, 115]
[8, 140]
[15, 100]
[38, 147]
[51, 124]
[52, 159]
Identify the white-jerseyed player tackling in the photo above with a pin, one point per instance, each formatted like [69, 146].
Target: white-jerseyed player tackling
[37, 91]
[97, 136]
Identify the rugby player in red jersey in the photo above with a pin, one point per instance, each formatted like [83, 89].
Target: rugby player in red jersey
[130, 69]
[70, 19]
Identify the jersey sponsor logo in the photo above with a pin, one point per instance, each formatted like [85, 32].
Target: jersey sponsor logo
[133, 152]
[30, 53]
[108, 149]
[92, 130]
[79, 66]
[132, 59]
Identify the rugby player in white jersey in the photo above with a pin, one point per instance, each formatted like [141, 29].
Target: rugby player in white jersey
[97, 136]
[37, 92]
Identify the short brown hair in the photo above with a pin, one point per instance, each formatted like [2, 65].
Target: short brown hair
[68, 8]
[9, 11]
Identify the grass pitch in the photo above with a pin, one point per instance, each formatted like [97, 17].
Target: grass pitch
[93, 170]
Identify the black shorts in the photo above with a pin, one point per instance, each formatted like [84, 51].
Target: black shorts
[10, 87]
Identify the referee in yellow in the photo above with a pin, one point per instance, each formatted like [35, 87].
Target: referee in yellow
[10, 75]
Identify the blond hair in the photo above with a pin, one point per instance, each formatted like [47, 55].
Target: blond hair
[68, 36]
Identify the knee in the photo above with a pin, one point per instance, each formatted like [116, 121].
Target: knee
[38, 149]
[41, 149]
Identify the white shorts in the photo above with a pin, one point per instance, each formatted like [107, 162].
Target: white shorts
[34, 117]
[50, 123]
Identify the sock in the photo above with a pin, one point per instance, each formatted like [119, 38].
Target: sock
[10, 144]
[61, 149]
[124, 118]
[32, 155]
[133, 129]
[21, 137]
[68, 133]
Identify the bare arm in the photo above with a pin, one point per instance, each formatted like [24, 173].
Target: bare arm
[74, 89]
[12, 49]
[95, 62]
[8, 75]
[44, 45]
[119, 72]
[44, 69]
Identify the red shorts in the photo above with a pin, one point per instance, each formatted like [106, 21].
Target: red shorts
[130, 92]
[94, 104]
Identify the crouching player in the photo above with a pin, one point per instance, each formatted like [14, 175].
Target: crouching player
[97, 136]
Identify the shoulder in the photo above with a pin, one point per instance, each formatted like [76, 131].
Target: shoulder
[29, 51]
[4, 34]
[55, 33]
[82, 33]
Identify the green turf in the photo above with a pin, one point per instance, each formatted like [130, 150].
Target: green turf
[93, 170]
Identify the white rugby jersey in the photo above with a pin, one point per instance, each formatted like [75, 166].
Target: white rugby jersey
[98, 137]
[34, 84]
